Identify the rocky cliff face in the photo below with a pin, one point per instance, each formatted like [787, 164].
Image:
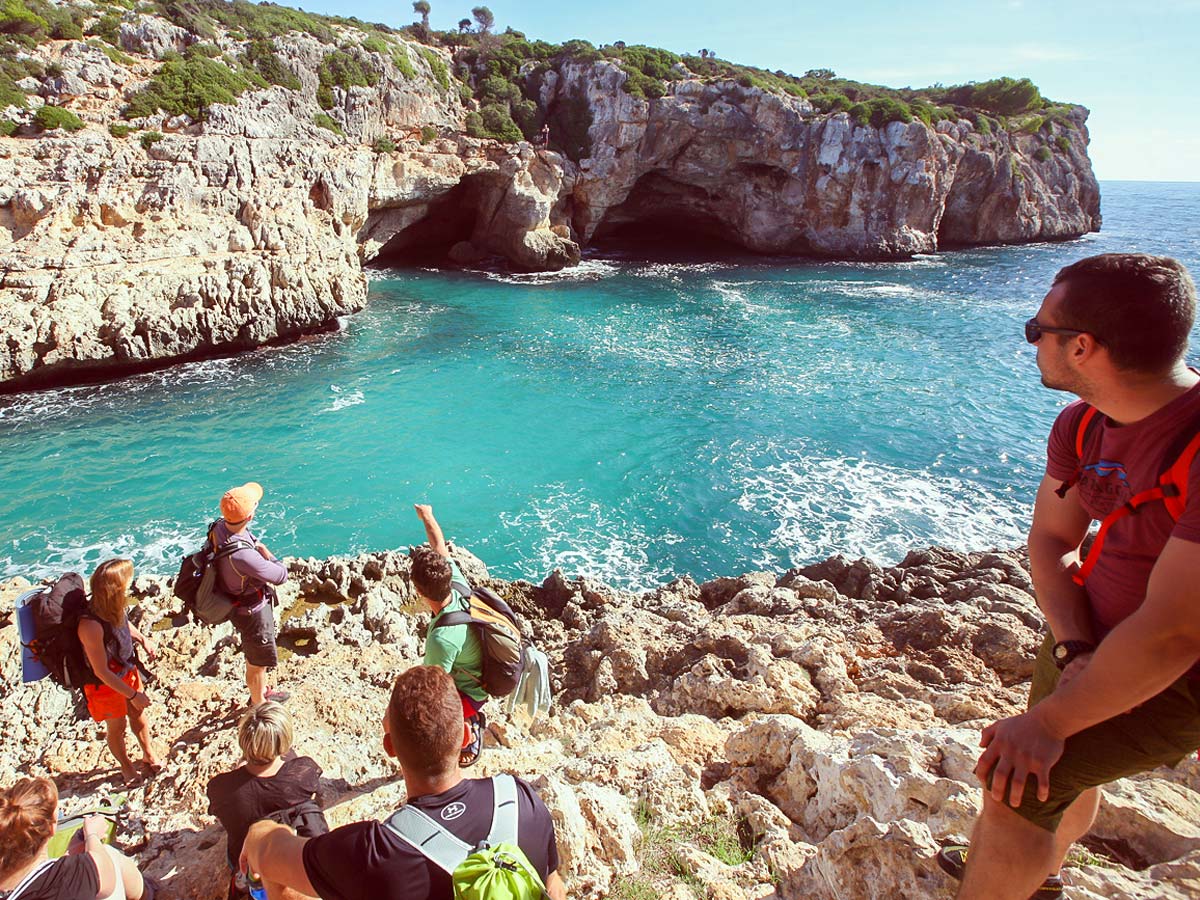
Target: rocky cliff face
[254, 224]
[803, 735]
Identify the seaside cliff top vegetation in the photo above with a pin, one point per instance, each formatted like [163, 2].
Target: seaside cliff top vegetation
[498, 77]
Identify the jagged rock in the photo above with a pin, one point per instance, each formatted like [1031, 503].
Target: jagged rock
[832, 734]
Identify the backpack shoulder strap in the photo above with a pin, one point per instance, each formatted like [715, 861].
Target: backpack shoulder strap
[429, 837]
[458, 617]
[504, 811]
[1177, 467]
[1086, 426]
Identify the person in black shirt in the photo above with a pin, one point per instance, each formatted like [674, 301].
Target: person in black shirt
[423, 730]
[92, 869]
[273, 781]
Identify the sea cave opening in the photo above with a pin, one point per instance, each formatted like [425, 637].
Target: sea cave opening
[449, 220]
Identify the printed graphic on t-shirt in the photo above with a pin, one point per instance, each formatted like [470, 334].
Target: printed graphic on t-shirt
[1103, 487]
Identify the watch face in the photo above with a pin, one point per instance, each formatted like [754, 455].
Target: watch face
[1060, 652]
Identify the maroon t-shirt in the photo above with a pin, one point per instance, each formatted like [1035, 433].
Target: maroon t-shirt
[1123, 460]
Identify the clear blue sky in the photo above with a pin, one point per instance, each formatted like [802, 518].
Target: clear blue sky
[1136, 66]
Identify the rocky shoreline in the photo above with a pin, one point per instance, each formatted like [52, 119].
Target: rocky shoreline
[793, 735]
[165, 237]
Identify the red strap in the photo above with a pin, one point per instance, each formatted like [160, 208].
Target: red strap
[1081, 431]
[1177, 477]
[1132, 506]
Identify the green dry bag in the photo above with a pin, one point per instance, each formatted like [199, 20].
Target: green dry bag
[497, 869]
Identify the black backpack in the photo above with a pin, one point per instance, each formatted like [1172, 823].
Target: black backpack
[56, 613]
[499, 634]
[193, 567]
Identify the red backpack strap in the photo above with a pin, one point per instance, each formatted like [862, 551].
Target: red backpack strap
[1084, 427]
[1172, 490]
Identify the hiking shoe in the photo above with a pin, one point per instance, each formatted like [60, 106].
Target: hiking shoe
[469, 755]
[952, 859]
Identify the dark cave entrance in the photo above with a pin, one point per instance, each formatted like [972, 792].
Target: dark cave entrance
[450, 218]
[663, 219]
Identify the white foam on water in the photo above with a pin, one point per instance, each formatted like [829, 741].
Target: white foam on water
[566, 529]
[587, 270]
[824, 505]
[343, 399]
[157, 550]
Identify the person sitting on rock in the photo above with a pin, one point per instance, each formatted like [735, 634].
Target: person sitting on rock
[247, 576]
[423, 730]
[109, 641]
[91, 870]
[274, 783]
[1116, 685]
[456, 648]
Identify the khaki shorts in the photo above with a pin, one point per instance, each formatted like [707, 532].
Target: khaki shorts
[1160, 732]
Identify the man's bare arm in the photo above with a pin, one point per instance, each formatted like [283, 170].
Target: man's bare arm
[276, 854]
[1144, 654]
[555, 887]
[433, 531]
[1059, 526]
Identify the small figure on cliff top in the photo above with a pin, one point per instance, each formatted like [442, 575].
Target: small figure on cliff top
[273, 784]
[1116, 685]
[428, 846]
[455, 648]
[544, 136]
[247, 577]
[110, 644]
[91, 868]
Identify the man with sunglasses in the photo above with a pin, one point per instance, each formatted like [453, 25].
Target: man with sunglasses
[1116, 686]
[247, 576]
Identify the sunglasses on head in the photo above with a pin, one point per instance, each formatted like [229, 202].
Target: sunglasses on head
[1034, 330]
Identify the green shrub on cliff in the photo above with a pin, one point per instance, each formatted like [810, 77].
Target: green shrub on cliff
[437, 66]
[1063, 143]
[50, 117]
[8, 127]
[187, 87]
[107, 27]
[647, 69]
[403, 63]
[880, 112]
[375, 44]
[493, 121]
[321, 120]
[1043, 154]
[383, 145]
[1002, 96]
[260, 56]
[344, 70]
[17, 18]
[149, 139]
[117, 130]
[831, 102]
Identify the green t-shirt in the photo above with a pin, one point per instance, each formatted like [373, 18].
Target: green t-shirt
[456, 648]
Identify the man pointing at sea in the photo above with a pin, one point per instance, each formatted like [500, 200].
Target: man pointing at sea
[1116, 686]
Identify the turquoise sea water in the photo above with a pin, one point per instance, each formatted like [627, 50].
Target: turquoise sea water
[629, 420]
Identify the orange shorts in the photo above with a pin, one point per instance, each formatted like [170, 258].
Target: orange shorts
[105, 703]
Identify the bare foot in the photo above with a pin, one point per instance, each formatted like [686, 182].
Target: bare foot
[129, 774]
[152, 765]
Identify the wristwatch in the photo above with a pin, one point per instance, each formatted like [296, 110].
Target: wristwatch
[1065, 651]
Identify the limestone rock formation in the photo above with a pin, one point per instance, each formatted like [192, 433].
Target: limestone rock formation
[809, 734]
[250, 221]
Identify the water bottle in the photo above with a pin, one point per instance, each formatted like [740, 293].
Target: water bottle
[258, 891]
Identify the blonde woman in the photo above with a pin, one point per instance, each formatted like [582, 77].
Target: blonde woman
[108, 641]
[274, 783]
[91, 868]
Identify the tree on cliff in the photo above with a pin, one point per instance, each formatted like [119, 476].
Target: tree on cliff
[484, 17]
[464, 25]
[421, 7]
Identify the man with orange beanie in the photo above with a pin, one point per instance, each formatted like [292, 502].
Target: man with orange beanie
[245, 576]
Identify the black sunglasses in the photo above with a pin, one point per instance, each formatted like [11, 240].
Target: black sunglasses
[1034, 330]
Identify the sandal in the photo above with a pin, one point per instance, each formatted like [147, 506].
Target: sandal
[469, 755]
[952, 859]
